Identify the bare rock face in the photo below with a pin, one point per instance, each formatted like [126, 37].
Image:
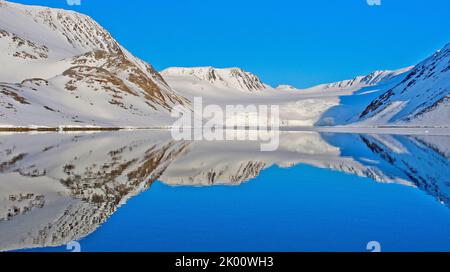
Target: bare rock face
[23, 48]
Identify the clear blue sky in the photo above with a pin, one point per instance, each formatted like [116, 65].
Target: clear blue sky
[283, 41]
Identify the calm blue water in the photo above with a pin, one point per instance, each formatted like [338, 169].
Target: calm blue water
[317, 192]
[298, 209]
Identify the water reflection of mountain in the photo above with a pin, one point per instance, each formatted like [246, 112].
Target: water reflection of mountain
[55, 188]
[60, 187]
[423, 161]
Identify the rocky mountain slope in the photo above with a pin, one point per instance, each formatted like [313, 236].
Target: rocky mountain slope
[422, 98]
[62, 68]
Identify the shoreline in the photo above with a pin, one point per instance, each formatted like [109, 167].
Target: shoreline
[432, 131]
[51, 129]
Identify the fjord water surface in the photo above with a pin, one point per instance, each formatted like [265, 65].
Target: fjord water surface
[143, 191]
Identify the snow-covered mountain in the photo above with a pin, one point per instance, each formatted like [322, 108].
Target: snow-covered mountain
[374, 78]
[228, 78]
[354, 98]
[62, 68]
[422, 98]
[413, 96]
[285, 87]
[298, 107]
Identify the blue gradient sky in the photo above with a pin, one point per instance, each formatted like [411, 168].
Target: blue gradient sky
[296, 42]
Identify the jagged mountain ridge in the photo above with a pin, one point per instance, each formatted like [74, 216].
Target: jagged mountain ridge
[52, 53]
[234, 78]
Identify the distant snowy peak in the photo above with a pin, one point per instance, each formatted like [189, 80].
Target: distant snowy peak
[234, 78]
[286, 88]
[421, 98]
[374, 78]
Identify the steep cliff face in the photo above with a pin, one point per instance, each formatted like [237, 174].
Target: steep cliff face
[71, 71]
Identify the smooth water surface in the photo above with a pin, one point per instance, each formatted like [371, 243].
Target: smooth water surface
[142, 191]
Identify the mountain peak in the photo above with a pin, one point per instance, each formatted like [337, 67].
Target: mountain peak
[234, 78]
[64, 32]
[73, 72]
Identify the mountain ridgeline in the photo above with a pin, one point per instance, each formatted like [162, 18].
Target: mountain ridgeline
[416, 96]
[61, 68]
[234, 78]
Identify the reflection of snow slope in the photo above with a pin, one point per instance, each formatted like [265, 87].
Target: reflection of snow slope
[55, 188]
[418, 159]
[61, 187]
[411, 160]
[237, 162]
[234, 162]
